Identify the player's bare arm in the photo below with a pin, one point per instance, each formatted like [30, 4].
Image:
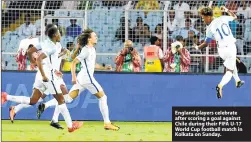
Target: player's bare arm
[40, 67]
[62, 53]
[30, 53]
[204, 44]
[73, 70]
[228, 12]
[75, 53]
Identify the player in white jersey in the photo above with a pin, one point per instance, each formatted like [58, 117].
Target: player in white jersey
[219, 30]
[85, 79]
[33, 49]
[15, 109]
[45, 80]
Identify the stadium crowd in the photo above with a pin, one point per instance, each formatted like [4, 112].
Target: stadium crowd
[183, 23]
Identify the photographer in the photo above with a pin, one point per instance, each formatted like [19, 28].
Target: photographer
[128, 59]
[177, 58]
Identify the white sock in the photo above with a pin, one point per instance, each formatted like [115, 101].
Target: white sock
[54, 102]
[50, 103]
[226, 78]
[56, 114]
[65, 112]
[21, 106]
[67, 98]
[19, 99]
[235, 75]
[104, 108]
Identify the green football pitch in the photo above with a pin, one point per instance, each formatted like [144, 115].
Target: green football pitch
[26, 130]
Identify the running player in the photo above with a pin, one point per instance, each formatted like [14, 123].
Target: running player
[218, 29]
[15, 109]
[85, 79]
[45, 79]
[60, 52]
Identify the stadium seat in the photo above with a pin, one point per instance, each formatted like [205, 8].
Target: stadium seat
[77, 14]
[221, 69]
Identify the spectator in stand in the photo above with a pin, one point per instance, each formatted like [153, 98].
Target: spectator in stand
[177, 58]
[60, 28]
[184, 31]
[120, 33]
[153, 56]
[199, 26]
[147, 5]
[138, 29]
[66, 59]
[240, 34]
[181, 9]
[73, 30]
[172, 23]
[146, 35]
[244, 9]
[27, 29]
[158, 32]
[128, 59]
[196, 61]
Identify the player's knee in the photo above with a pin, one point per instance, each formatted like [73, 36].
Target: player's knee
[100, 94]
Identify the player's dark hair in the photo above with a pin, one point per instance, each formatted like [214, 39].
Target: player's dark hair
[48, 27]
[52, 32]
[83, 38]
[179, 38]
[207, 11]
[153, 39]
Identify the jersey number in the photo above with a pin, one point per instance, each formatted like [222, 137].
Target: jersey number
[224, 28]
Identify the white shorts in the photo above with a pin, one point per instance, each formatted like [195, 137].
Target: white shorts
[59, 81]
[50, 87]
[228, 54]
[93, 87]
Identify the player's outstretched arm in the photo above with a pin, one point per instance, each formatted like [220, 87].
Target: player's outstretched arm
[73, 70]
[229, 12]
[204, 44]
[40, 67]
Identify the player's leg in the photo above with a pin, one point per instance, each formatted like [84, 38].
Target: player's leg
[97, 90]
[63, 108]
[237, 79]
[229, 55]
[15, 109]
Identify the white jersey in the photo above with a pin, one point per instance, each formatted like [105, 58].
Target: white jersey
[57, 62]
[87, 57]
[220, 31]
[50, 50]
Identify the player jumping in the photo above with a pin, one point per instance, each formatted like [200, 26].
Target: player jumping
[218, 29]
[85, 79]
[45, 80]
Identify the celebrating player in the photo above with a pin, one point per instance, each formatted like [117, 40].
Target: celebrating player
[45, 80]
[31, 51]
[219, 30]
[85, 78]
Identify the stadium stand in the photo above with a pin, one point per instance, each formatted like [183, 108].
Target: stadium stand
[111, 18]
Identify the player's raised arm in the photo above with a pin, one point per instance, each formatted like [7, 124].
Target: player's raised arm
[73, 70]
[229, 12]
[40, 67]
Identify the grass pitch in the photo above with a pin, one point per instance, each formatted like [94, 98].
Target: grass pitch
[26, 130]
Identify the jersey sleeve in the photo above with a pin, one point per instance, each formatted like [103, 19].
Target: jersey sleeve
[209, 36]
[227, 18]
[49, 52]
[38, 46]
[83, 54]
